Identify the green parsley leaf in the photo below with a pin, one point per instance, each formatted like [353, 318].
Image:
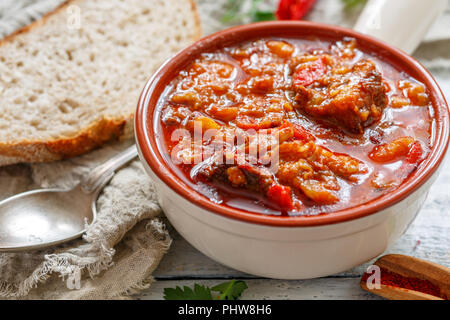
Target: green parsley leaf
[230, 290]
[255, 11]
[263, 16]
[350, 4]
[232, 11]
[199, 293]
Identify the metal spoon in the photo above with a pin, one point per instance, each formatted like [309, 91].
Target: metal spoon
[41, 218]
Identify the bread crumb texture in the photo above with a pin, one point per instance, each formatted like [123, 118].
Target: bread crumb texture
[71, 81]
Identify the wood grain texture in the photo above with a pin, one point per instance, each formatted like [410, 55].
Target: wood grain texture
[264, 289]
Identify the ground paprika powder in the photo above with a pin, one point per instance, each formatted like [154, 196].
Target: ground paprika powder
[395, 280]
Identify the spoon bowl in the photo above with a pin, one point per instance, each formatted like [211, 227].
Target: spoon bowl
[42, 218]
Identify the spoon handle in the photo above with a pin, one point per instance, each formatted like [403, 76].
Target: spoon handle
[104, 172]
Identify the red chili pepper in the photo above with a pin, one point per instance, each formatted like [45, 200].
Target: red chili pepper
[281, 195]
[306, 74]
[415, 153]
[293, 9]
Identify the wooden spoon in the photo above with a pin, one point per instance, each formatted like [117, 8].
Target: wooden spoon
[410, 267]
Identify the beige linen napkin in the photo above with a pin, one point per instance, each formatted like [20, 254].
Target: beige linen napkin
[118, 253]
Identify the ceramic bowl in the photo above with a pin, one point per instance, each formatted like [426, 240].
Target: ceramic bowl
[288, 247]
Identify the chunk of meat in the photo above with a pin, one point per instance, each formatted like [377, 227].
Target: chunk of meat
[415, 92]
[201, 124]
[258, 112]
[247, 176]
[313, 170]
[261, 180]
[316, 191]
[236, 176]
[280, 48]
[258, 178]
[261, 84]
[351, 97]
[205, 83]
[301, 175]
[189, 98]
[392, 151]
[244, 121]
[211, 70]
[340, 164]
[321, 158]
[398, 101]
[224, 113]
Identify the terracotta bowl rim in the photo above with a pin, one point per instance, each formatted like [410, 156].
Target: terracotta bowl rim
[145, 137]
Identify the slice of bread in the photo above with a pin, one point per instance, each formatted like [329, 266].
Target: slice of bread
[71, 81]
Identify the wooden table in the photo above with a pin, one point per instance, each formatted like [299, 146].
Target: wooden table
[427, 238]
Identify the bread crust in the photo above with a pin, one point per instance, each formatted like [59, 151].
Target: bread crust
[93, 136]
[90, 138]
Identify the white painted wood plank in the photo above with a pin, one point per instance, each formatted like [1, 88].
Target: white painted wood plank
[263, 289]
[185, 261]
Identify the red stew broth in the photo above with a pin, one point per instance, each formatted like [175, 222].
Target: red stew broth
[410, 120]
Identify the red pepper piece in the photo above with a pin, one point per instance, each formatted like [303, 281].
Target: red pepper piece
[281, 195]
[293, 9]
[301, 133]
[306, 74]
[415, 153]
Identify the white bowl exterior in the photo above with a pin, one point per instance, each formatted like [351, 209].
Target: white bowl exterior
[288, 252]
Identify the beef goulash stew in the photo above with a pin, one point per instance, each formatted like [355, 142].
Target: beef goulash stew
[345, 126]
